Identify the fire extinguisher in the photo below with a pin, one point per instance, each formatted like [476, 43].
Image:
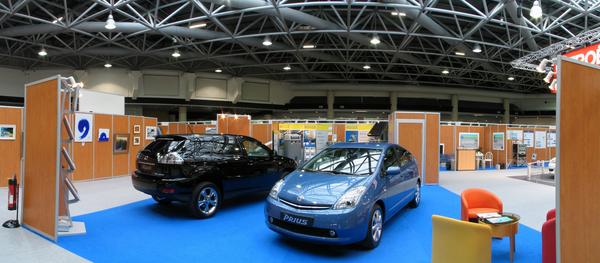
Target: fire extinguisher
[13, 202]
[13, 193]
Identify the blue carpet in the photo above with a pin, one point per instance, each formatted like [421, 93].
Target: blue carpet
[147, 232]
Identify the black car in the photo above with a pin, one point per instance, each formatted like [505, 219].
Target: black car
[203, 169]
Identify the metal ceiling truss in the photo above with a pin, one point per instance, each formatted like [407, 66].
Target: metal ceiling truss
[419, 40]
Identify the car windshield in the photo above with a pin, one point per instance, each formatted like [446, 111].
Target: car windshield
[347, 161]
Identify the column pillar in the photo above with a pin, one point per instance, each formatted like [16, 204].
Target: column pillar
[330, 101]
[506, 111]
[455, 107]
[182, 113]
[393, 101]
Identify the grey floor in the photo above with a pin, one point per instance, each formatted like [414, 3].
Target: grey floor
[530, 200]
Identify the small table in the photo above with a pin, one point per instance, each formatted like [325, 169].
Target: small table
[508, 229]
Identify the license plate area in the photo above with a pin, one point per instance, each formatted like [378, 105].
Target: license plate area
[297, 220]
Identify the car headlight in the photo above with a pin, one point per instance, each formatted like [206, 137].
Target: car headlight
[351, 198]
[276, 188]
[170, 158]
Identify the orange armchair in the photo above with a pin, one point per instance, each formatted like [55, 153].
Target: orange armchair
[475, 201]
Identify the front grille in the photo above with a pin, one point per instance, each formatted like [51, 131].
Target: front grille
[305, 207]
[305, 230]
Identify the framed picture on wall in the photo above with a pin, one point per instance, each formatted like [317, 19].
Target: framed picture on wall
[8, 132]
[151, 132]
[137, 129]
[136, 140]
[103, 135]
[121, 143]
[468, 140]
[498, 141]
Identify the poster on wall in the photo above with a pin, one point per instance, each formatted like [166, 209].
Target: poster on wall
[121, 143]
[351, 136]
[83, 127]
[528, 138]
[8, 132]
[310, 144]
[552, 139]
[103, 135]
[514, 135]
[498, 141]
[540, 139]
[468, 140]
[136, 140]
[210, 130]
[151, 132]
[321, 137]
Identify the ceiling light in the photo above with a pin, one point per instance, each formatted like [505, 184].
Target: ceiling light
[176, 54]
[394, 13]
[42, 52]
[445, 72]
[459, 53]
[287, 67]
[110, 23]
[199, 25]
[366, 67]
[57, 20]
[308, 46]
[477, 48]
[267, 42]
[107, 65]
[536, 10]
[511, 78]
[218, 70]
[375, 40]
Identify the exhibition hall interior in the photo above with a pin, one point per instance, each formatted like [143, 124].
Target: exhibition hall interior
[443, 131]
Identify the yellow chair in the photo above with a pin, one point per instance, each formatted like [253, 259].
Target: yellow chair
[456, 241]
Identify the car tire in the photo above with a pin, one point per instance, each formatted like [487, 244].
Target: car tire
[375, 230]
[417, 198]
[206, 200]
[161, 200]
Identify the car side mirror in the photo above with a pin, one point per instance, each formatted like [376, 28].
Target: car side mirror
[392, 170]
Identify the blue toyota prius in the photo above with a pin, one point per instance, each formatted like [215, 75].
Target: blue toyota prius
[345, 194]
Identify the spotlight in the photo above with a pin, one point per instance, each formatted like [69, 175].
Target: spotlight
[541, 68]
[477, 48]
[42, 52]
[366, 67]
[176, 54]
[218, 70]
[536, 10]
[459, 53]
[199, 25]
[107, 65]
[445, 72]
[110, 23]
[287, 68]
[549, 77]
[375, 40]
[267, 42]
[511, 78]
[308, 46]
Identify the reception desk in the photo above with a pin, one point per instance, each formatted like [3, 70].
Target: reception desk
[466, 160]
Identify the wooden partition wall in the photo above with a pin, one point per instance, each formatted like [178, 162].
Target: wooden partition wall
[42, 157]
[10, 163]
[418, 132]
[578, 208]
[233, 124]
[185, 128]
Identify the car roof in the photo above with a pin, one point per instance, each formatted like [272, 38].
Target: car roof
[370, 145]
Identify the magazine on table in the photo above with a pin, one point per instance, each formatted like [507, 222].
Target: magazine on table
[499, 220]
[488, 215]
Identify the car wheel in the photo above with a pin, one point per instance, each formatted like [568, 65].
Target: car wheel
[375, 230]
[161, 200]
[417, 198]
[206, 200]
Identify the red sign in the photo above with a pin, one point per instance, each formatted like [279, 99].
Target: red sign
[589, 54]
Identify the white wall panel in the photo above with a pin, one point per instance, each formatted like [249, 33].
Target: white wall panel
[161, 85]
[100, 102]
[208, 88]
[255, 91]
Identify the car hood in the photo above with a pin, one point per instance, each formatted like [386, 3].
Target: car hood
[314, 188]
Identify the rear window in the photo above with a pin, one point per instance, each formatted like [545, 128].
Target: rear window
[195, 145]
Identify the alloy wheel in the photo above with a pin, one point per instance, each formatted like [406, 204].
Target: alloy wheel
[376, 225]
[208, 200]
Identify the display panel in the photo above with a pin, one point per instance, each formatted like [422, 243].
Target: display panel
[515, 135]
[540, 139]
[498, 141]
[528, 138]
[468, 140]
